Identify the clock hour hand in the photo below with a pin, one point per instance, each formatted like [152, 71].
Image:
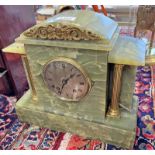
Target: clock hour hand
[65, 81]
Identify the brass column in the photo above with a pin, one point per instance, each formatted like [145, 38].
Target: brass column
[113, 110]
[34, 94]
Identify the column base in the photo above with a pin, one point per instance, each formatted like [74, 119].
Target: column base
[113, 113]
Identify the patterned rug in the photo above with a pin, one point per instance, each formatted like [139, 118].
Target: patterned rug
[17, 135]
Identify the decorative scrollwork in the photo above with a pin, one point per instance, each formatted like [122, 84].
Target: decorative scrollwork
[60, 32]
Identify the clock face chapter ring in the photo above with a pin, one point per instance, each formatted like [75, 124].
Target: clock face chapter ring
[66, 79]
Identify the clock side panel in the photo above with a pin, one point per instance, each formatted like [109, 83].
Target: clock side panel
[93, 106]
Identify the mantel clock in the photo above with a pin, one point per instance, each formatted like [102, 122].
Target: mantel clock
[81, 74]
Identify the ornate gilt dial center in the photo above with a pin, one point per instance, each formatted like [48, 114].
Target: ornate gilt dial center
[66, 79]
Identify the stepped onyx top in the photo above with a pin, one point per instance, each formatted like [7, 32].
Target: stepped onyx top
[75, 25]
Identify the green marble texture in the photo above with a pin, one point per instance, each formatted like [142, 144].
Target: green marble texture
[97, 23]
[128, 51]
[93, 106]
[94, 45]
[88, 20]
[119, 132]
[88, 116]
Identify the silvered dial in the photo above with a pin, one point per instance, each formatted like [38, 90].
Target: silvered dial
[66, 80]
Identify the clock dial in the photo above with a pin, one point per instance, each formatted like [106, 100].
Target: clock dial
[66, 79]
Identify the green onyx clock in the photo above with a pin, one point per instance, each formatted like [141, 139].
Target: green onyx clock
[81, 74]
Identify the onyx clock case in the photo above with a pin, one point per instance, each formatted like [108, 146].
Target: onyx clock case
[81, 74]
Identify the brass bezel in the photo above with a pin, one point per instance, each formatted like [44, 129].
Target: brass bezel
[76, 65]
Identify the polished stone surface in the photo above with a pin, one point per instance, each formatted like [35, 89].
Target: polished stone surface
[120, 132]
[88, 116]
[128, 51]
[93, 106]
[96, 23]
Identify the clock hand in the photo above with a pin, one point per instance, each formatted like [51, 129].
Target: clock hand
[65, 81]
[72, 75]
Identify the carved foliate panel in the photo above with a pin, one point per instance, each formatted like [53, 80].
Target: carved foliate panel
[61, 31]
